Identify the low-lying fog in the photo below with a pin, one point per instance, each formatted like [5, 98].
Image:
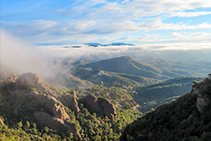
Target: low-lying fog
[19, 56]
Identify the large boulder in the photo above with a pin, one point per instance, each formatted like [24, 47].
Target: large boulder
[70, 102]
[202, 102]
[91, 102]
[109, 109]
[100, 106]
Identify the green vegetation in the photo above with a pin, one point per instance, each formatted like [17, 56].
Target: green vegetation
[27, 131]
[156, 94]
[20, 124]
[97, 128]
[89, 126]
[104, 78]
[176, 121]
[118, 96]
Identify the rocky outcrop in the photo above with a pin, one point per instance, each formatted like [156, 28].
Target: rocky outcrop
[48, 111]
[92, 104]
[53, 122]
[70, 102]
[202, 102]
[32, 80]
[100, 106]
[109, 109]
[203, 94]
[40, 101]
[29, 79]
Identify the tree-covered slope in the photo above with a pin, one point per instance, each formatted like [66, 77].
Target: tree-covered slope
[156, 94]
[104, 78]
[186, 119]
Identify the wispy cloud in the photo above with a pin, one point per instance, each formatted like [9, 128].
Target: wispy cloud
[189, 14]
[193, 37]
[159, 25]
[101, 20]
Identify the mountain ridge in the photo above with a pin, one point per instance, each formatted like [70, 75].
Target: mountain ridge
[127, 65]
[187, 118]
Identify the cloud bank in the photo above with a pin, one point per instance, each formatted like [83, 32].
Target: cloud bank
[18, 56]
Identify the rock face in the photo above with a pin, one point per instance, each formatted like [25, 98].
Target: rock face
[54, 123]
[100, 106]
[109, 109]
[202, 90]
[33, 80]
[70, 102]
[50, 105]
[47, 110]
[29, 79]
[202, 103]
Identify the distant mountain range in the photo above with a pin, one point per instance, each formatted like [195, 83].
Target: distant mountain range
[112, 44]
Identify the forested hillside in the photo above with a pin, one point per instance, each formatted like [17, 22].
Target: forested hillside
[149, 97]
[32, 109]
[187, 118]
[127, 65]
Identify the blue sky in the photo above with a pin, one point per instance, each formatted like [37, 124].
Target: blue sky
[106, 21]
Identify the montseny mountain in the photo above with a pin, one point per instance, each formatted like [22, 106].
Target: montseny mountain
[112, 44]
[186, 119]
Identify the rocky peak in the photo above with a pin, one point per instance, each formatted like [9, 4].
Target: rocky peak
[29, 79]
[42, 102]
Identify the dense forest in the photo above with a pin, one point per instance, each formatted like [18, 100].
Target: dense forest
[149, 97]
[186, 119]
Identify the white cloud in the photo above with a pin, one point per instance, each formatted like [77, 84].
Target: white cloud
[87, 21]
[159, 25]
[189, 14]
[193, 37]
